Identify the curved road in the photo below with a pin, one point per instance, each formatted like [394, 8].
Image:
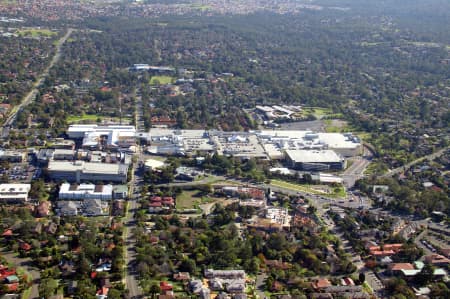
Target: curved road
[407, 166]
[33, 92]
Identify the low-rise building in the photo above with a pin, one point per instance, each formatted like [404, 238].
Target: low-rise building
[111, 137]
[87, 207]
[279, 215]
[78, 171]
[13, 156]
[14, 192]
[85, 191]
[315, 160]
[120, 191]
[64, 154]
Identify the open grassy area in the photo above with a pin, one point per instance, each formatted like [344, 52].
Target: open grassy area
[78, 118]
[336, 126]
[8, 2]
[200, 7]
[318, 111]
[26, 294]
[313, 189]
[363, 135]
[36, 32]
[92, 118]
[188, 200]
[161, 79]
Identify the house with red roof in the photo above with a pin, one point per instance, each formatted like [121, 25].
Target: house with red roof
[385, 250]
[396, 268]
[7, 233]
[102, 293]
[165, 286]
[25, 246]
[321, 283]
[12, 287]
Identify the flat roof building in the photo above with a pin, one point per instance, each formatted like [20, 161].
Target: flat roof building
[315, 160]
[12, 156]
[257, 144]
[85, 191]
[278, 140]
[152, 164]
[78, 171]
[14, 192]
[114, 136]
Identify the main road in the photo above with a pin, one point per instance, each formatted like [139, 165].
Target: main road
[34, 91]
[429, 157]
[131, 278]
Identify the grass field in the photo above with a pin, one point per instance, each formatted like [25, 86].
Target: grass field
[92, 118]
[336, 126]
[161, 79]
[188, 200]
[36, 32]
[318, 112]
[78, 118]
[336, 192]
[26, 294]
[8, 2]
[201, 7]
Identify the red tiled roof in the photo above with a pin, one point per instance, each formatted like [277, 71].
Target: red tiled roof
[382, 253]
[321, 283]
[12, 287]
[103, 291]
[7, 233]
[401, 266]
[165, 286]
[156, 199]
[25, 246]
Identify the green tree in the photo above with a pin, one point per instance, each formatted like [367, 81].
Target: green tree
[47, 287]
[85, 290]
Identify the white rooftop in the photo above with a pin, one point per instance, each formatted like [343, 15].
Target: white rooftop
[153, 164]
[313, 156]
[87, 167]
[15, 188]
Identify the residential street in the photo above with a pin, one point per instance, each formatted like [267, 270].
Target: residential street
[34, 91]
[428, 157]
[26, 264]
[131, 279]
[130, 254]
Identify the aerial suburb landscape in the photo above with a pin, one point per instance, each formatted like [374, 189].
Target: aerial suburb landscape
[224, 149]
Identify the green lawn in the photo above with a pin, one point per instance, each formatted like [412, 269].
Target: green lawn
[200, 7]
[92, 118]
[26, 294]
[78, 118]
[336, 192]
[36, 32]
[161, 79]
[363, 135]
[188, 200]
[8, 2]
[318, 111]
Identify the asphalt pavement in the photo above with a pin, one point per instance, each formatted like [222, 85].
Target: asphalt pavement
[26, 264]
[34, 91]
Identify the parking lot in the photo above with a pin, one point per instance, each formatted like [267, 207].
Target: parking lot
[373, 281]
[17, 173]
